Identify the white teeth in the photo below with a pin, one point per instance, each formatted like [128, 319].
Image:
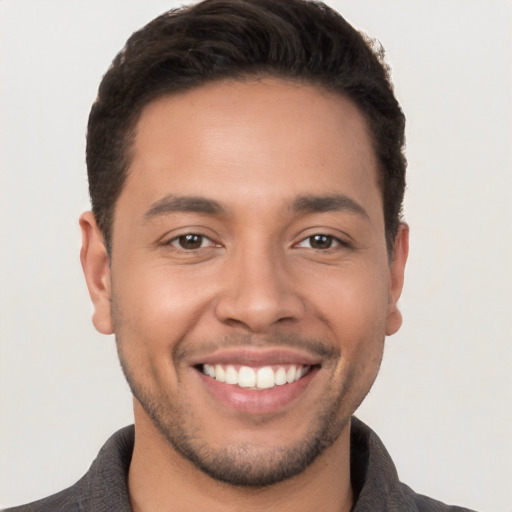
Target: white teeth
[246, 377]
[263, 378]
[209, 370]
[280, 376]
[220, 374]
[290, 374]
[231, 375]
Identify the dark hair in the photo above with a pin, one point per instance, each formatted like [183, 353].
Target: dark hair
[190, 46]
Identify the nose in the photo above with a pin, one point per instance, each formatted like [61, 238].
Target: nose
[258, 292]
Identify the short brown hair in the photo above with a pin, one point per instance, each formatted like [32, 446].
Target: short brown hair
[215, 39]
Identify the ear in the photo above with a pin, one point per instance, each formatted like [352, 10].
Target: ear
[396, 274]
[94, 259]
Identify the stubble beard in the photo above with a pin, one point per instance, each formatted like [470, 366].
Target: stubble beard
[243, 465]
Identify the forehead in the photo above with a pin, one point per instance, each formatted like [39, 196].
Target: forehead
[264, 137]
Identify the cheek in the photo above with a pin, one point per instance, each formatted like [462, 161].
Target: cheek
[353, 305]
[354, 301]
[153, 310]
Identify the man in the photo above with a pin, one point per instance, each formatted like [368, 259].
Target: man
[246, 247]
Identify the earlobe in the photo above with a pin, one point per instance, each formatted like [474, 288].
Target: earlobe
[95, 264]
[396, 273]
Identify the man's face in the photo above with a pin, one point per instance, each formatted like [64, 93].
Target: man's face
[250, 285]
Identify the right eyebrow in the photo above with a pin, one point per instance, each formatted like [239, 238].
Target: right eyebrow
[172, 203]
[328, 203]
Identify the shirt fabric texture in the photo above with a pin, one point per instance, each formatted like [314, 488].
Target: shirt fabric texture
[374, 479]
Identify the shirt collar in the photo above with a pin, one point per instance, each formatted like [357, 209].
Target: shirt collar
[374, 477]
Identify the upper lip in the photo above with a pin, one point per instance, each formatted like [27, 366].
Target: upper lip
[253, 357]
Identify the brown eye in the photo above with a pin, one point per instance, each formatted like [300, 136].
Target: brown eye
[189, 242]
[320, 242]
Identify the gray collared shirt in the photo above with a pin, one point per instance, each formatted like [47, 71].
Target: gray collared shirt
[374, 478]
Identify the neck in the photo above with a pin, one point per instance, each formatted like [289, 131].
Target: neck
[160, 479]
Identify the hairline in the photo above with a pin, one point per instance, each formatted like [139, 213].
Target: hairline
[130, 132]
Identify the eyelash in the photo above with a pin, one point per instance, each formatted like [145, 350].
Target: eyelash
[178, 241]
[331, 240]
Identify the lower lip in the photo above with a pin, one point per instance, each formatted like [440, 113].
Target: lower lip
[257, 402]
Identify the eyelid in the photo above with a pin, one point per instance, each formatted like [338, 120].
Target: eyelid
[177, 239]
[170, 239]
[206, 241]
[340, 239]
[337, 241]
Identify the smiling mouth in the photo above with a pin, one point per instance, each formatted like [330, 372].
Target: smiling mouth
[265, 377]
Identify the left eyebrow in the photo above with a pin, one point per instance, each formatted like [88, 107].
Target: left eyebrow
[172, 203]
[328, 203]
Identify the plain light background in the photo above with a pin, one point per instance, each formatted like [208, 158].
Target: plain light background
[443, 401]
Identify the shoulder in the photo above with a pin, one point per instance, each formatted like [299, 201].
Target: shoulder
[425, 504]
[376, 481]
[103, 487]
[63, 501]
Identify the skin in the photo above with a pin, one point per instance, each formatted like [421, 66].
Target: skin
[259, 288]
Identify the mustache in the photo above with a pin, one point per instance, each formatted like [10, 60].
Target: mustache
[316, 347]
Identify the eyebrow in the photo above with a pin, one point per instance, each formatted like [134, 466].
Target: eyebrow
[329, 203]
[172, 203]
[302, 204]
